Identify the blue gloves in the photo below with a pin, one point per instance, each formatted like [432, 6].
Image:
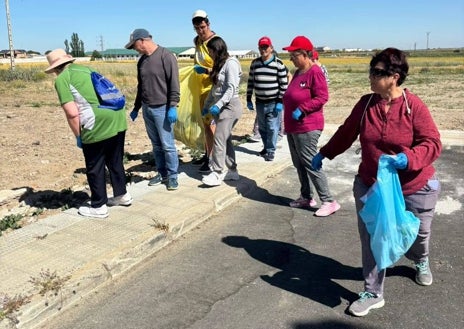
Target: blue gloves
[214, 110]
[316, 162]
[79, 141]
[297, 114]
[204, 112]
[400, 161]
[200, 69]
[250, 106]
[133, 115]
[279, 107]
[172, 114]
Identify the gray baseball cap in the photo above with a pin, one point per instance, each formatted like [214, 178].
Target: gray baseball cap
[136, 35]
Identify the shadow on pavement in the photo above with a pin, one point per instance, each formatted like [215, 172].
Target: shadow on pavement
[302, 272]
[330, 324]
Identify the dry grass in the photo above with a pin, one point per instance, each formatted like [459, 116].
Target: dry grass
[38, 149]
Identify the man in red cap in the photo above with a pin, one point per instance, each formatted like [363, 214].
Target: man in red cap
[268, 78]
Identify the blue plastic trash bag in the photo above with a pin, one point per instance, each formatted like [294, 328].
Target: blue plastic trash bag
[391, 227]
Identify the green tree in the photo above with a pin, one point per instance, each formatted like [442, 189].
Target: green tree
[77, 46]
[95, 55]
[66, 46]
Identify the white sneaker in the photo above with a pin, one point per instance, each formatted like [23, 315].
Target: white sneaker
[232, 175]
[121, 200]
[88, 211]
[213, 179]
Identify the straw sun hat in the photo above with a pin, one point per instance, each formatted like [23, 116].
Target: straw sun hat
[56, 58]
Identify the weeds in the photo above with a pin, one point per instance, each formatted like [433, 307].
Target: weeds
[49, 282]
[9, 306]
[160, 226]
[10, 222]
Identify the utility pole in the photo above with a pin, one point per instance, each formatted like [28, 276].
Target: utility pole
[10, 38]
[427, 40]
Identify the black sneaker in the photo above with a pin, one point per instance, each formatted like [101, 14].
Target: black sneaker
[200, 161]
[269, 157]
[262, 152]
[205, 168]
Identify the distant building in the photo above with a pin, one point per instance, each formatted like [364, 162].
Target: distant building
[18, 53]
[180, 52]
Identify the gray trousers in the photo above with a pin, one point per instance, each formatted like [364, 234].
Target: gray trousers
[303, 147]
[422, 205]
[223, 154]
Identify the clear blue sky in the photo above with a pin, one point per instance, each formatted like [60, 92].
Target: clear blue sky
[43, 25]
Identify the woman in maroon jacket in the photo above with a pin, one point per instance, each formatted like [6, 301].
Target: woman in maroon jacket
[391, 121]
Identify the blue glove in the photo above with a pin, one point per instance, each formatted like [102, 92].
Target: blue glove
[297, 114]
[172, 114]
[133, 115]
[200, 69]
[204, 112]
[316, 162]
[214, 110]
[250, 106]
[400, 161]
[279, 107]
[79, 141]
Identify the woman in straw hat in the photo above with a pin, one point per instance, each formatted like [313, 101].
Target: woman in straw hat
[99, 132]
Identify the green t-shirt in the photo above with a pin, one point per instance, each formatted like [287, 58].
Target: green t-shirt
[97, 124]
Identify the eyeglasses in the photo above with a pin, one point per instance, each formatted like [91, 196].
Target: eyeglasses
[378, 73]
[294, 55]
[263, 47]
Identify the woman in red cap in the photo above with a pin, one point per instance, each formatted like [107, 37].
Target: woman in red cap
[303, 102]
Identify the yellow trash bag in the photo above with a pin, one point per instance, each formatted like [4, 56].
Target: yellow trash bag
[189, 126]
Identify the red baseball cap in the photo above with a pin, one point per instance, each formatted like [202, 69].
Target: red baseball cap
[315, 54]
[300, 42]
[264, 41]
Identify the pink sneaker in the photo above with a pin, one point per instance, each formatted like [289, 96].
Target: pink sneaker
[327, 208]
[303, 203]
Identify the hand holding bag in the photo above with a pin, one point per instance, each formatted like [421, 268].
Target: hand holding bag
[391, 227]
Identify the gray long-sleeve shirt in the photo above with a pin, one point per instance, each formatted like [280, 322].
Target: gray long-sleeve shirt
[228, 83]
[158, 79]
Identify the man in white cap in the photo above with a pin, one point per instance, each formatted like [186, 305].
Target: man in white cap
[203, 65]
[158, 93]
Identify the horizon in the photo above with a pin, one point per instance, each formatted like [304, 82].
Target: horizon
[336, 24]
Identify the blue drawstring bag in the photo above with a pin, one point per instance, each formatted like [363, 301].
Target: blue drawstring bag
[391, 227]
[108, 95]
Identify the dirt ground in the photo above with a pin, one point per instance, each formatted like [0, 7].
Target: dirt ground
[39, 153]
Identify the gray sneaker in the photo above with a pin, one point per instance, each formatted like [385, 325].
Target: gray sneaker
[172, 184]
[157, 180]
[121, 200]
[365, 303]
[423, 274]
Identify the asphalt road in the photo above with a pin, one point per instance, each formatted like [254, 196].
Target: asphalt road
[262, 264]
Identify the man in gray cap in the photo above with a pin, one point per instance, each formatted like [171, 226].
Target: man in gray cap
[158, 93]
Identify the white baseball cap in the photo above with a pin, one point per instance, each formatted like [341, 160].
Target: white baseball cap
[199, 13]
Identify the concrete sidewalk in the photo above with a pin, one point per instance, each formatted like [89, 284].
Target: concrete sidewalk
[93, 251]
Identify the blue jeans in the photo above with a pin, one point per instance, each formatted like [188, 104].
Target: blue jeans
[303, 147]
[161, 134]
[269, 125]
